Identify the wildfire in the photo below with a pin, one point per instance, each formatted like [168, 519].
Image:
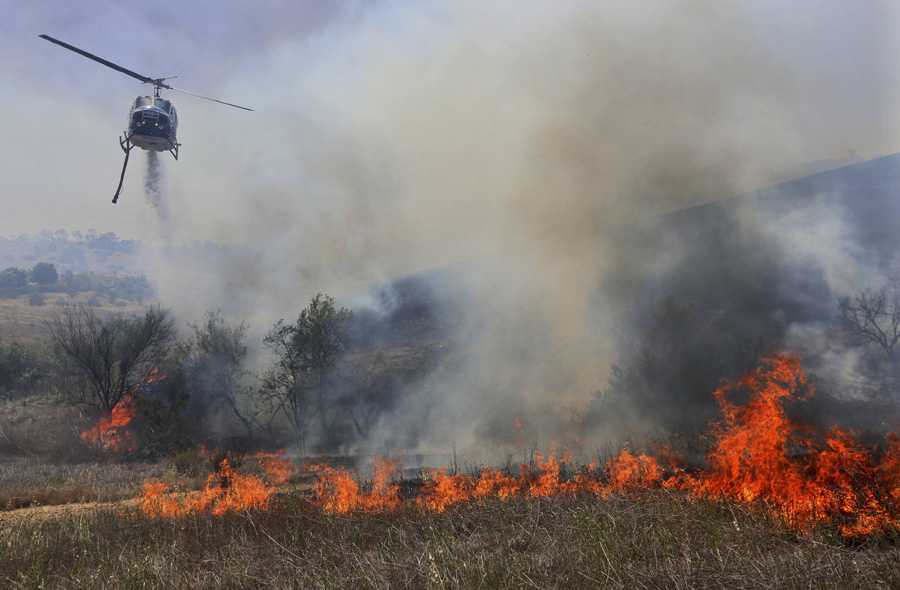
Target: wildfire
[225, 491]
[757, 455]
[760, 455]
[111, 429]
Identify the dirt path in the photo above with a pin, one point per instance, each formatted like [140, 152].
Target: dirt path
[60, 510]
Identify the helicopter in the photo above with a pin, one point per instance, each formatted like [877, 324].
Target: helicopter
[152, 120]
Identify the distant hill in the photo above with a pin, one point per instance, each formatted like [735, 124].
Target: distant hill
[775, 256]
[77, 252]
[733, 256]
[758, 272]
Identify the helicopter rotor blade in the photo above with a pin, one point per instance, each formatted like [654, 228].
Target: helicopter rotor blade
[207, 98]
[157, 82]
[108, 64]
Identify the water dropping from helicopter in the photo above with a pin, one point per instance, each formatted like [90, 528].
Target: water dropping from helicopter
[154, 191]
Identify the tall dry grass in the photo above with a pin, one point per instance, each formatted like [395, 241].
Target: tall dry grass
[657, 540]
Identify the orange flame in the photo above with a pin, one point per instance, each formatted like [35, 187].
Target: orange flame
[277, 470]
[496, 483]
[629, 472]
[545, 480]
[443, 491]
[336, 490]
[750, 457]
[225, 491]
[758, 455]
[111, 429]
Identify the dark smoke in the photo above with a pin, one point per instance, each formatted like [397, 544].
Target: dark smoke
[746, 277]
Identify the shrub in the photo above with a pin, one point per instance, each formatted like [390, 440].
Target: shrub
[36, 299]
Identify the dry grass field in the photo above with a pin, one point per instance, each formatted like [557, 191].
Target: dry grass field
[26, 323]
[656, 540]
[70, 517]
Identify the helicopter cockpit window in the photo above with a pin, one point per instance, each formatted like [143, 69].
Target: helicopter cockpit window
[164, 104]
[143, 101]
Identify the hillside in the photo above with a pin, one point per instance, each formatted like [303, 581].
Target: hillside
[748, 275]
[77, 252]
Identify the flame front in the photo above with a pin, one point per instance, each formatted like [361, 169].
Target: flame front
[757, 456]
[225, 491]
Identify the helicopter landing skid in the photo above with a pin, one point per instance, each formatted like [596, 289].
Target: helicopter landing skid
[150, 143]
[127, 146]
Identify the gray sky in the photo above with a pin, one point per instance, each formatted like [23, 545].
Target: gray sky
[367, 110]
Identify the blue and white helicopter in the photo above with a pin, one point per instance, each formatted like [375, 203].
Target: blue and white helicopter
[152, 121]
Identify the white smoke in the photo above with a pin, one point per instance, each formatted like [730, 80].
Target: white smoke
[410, 135]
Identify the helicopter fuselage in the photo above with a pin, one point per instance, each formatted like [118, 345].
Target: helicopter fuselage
[152, 125]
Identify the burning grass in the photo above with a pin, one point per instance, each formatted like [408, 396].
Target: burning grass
[226, 490]
[775, 505]
[758, 457]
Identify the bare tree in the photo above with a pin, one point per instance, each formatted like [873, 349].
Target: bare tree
[872, 319]
[300, 382]
[111, 356]
[213, 364]
[285, 384]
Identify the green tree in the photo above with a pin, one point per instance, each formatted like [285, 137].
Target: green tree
[109, 357]
[44, 273]
[22, 367]
[13, 277]
[301, 382]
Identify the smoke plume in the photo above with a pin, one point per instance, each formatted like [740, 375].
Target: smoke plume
[408, 136]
